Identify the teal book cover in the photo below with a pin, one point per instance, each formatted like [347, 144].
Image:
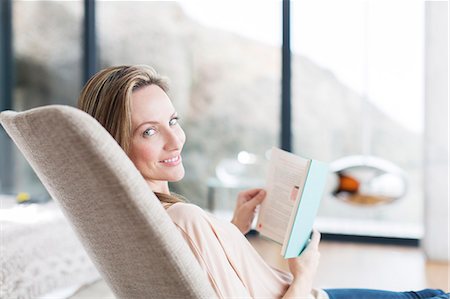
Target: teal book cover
[307, 210]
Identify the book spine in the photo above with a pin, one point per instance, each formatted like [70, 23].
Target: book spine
[307, 209]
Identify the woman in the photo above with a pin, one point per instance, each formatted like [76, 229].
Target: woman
[131, 102]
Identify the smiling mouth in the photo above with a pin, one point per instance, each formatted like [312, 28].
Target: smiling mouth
[172, 161]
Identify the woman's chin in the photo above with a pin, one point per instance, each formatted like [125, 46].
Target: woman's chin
[178, 176]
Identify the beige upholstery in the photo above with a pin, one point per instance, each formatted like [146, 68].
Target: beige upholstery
[120, 222]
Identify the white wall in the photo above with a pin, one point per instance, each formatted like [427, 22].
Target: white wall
[437, 235]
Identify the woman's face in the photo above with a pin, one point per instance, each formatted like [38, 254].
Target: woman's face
[157, 138]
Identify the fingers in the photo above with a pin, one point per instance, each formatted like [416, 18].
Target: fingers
[315, 239]
[257, 199]
[249, 194]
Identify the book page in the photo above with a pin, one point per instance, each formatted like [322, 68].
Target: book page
[286, 177]
[296, 198]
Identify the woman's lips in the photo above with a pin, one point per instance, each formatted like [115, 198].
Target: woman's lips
[174, 161]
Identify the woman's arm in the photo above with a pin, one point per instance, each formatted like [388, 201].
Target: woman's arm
[304, 269]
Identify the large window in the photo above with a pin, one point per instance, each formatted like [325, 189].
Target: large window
[356, 85]
[47, 61]
[358, 90]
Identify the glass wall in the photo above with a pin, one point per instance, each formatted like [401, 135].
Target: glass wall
[357, 86]
[357, 99]
[47, 51]
[223, 62]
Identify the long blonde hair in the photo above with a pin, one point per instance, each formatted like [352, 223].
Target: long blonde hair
[107, 97]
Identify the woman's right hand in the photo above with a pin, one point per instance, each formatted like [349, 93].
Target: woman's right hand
[304, 268]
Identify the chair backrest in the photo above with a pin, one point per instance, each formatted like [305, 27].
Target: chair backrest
[120, 222]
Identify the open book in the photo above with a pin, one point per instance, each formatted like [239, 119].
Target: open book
[294, 189]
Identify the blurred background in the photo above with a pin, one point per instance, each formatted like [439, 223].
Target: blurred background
[363, 86]
[357, 77]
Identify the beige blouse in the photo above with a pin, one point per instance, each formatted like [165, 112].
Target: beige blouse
[234, 268]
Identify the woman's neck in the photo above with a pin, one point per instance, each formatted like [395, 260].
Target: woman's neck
[159, 186]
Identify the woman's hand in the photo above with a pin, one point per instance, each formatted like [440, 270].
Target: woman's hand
[245, 211]
[306, 264]
[304, 268]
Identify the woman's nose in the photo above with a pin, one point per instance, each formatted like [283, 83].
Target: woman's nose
[174, 140]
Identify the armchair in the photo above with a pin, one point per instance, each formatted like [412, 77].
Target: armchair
[120, 222]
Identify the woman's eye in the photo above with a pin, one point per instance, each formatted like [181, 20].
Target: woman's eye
[173, 121]
[149, 132]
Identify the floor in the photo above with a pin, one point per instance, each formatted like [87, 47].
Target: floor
[348, 265]
[356, 265]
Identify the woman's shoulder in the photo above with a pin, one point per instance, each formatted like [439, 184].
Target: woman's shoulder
[184, 207]
[187, 214]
